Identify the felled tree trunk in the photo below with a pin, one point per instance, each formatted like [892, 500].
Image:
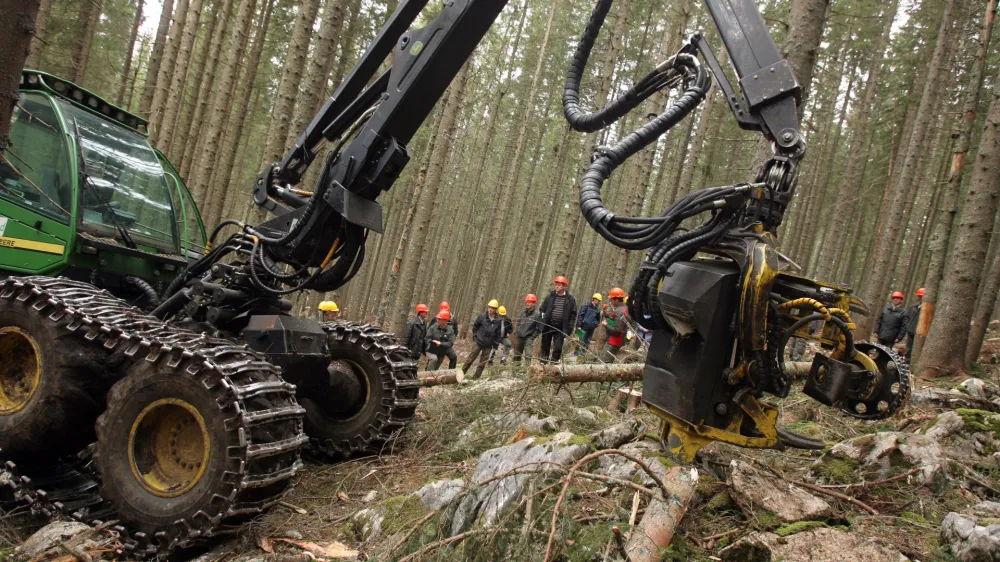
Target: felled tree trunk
[653, 534]
[445, 376]
[615, 372]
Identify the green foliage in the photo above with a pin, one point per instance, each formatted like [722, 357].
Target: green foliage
[798, 527]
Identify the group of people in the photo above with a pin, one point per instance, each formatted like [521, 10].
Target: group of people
[493, 332]
[896, 322]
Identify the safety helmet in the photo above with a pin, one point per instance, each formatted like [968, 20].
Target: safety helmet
[597, 296]
[897, 295]
[329, 306]
[502, 310]
[531, 298]
[422, 308]
[444, 306]
[617, 293]
[921, 291]
[443, 315]
[493, 304]
[561, 279]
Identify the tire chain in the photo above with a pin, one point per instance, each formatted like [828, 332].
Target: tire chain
[395, 362]
[97, 317]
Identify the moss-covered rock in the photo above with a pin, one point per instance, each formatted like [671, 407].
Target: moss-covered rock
[980, 420]
[798, 527]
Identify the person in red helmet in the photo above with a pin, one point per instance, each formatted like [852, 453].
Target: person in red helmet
[416, 329]
[891, 324]
[440, 339]
[529, 326]
[452, 356]
[912, 319]
[614, 318]
[558, 317]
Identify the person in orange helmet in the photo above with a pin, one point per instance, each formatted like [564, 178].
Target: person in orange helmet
[558, 317]
[439, 340]
[891, 324]
[614, 318]
[453, 322]
[416, 329]
[912, 319]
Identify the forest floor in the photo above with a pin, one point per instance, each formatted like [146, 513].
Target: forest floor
[366, 509]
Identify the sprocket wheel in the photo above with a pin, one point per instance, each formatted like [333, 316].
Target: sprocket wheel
[382, 398]
[892, 393]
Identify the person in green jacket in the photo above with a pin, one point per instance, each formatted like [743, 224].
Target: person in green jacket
[439, 340]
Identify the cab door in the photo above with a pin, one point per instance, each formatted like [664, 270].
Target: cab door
[189, 225]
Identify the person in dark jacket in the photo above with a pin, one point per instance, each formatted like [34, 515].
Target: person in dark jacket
[439, 340]
[485, 337]
[912, 320]
[588, 320]
[891, 324]
[416, 329]
[452, 356]
[529, 326]
[558, 317]
[506, 329]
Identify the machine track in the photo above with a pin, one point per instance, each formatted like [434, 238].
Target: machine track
[396, 397]
[260, 407]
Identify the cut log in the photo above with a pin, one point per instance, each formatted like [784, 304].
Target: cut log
[444, 376]
[653, 534]
[598, 372]
[634, 400]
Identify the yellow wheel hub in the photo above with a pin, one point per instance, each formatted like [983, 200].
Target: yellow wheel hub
[20, 369]
[168, 447]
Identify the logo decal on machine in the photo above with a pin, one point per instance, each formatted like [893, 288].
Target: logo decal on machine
[30, 245]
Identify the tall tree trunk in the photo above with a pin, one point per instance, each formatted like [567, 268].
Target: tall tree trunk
[155, 58]
[700, 133]
[222, 102]
[175, 94]
[881, 274]
[16, 27]
[198, 76]
[164, 81]
[90, 15]
[205, 91]
[944, 352]
[39, 36]
[988, 291]
[422, 213]
[144, 44]
[938, 247]
[572, 216]
[805, 30]
[136, 22]
[313, 90]
[345, 55]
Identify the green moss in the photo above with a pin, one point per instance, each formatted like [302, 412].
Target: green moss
[980, 420]
[401, 512]
[588, 542]
[836, 470]
[807, 428]
[765, 520]
[798, 527]
[915, 517]
[720, 502]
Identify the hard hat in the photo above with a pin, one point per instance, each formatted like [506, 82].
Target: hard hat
[921, 291]
[444, 306]
[329, 306]
[443, 315]
[597, 296]
[617, 293]
[561, 279]
[422, 308]
[897, 295]
[493, 304]
[531, 298]
[502, 310]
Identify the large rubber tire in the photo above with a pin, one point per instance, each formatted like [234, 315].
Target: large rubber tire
[389, 378]
[58, 416]
[236, 480]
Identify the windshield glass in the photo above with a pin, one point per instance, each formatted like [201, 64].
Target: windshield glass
[125, 185]
[188, 223]
[34, 169]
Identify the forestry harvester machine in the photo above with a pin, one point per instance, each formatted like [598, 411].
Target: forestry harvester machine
[156, 378]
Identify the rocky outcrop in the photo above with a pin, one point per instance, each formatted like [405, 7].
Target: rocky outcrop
[974, 537]
[817, 545]
[754, 490]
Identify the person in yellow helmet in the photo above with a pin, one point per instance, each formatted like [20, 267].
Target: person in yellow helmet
[506, 329]
[328, 311]
[486, 335]
[587, 321]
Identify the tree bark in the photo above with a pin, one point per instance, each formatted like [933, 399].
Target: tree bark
[165, 78]
[438, 378]
[938, 247]
[944, 351]
[881, 273]
[596, 372]
[805, 30]
[175, 94]
[16, 28]
[155, 58]
[90, 15]
[136, 22]
[39, 36]
[988, 290]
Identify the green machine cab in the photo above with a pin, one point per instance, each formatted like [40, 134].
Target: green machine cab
[84, 195]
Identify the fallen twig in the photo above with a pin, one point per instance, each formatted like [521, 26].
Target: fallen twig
[837, 495]
[620, 542]
[445, 542]
[720, 535]
[864, 484]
